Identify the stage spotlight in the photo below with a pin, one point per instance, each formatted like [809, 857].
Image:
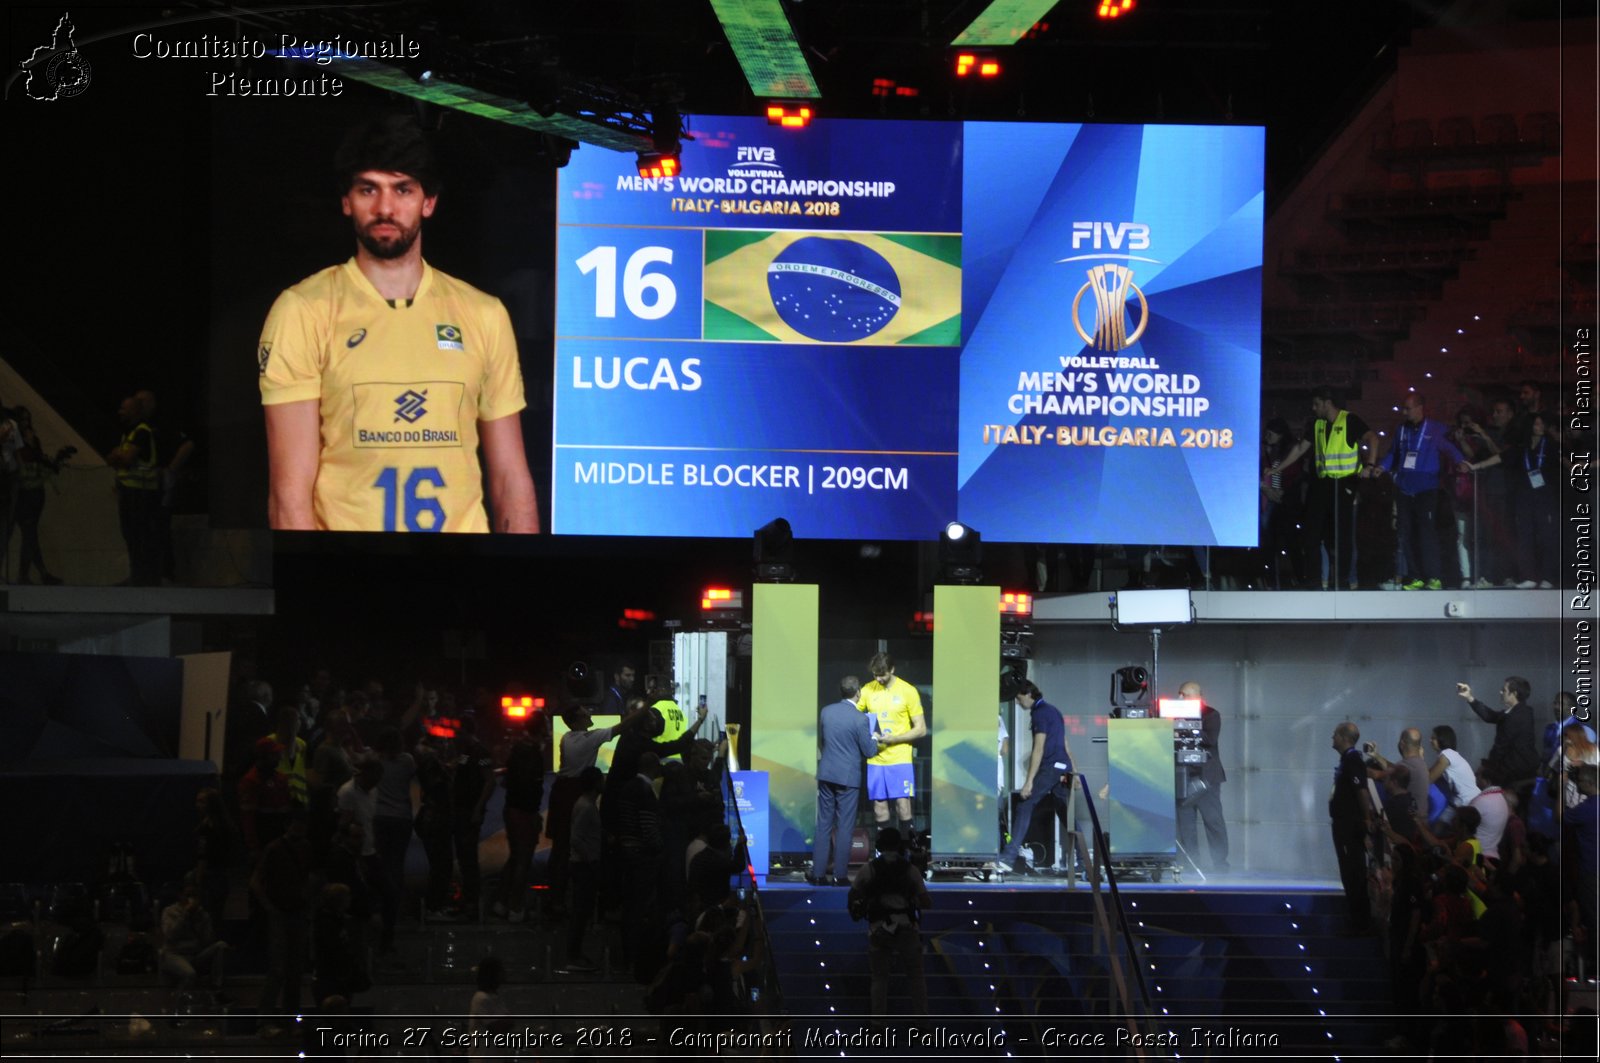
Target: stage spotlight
[1114, 8]
[1130, 692]
[520, 707]
[632, 618]
[658, 164]
[721, 600]
[1017, 604]
[774, 552]
[970, 63]
[789, 116]
[722, 608]
[580, 680]
[960, 554]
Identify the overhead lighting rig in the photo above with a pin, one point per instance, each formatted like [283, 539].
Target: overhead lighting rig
[659, 164]
[977, 64]
[764, 43]
[664, 157]
[1002, 23]
[789, 115]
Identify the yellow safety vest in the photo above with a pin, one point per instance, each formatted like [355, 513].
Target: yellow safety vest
[292, 766]
[1337, 455]
[139, 476]
[675, 723]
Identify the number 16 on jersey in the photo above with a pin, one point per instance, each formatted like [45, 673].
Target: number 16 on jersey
[641, 283]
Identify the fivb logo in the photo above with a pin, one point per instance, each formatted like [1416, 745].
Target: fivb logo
[1111, 234]
[1112, 285]
[752, 161]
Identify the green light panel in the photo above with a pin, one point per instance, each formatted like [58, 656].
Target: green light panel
[768, 54]
[783, 709]
[1003, 22]
[965, 720]
[487, 105]
[1144, 817]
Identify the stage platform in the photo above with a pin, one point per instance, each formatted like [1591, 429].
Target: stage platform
[1254, 957]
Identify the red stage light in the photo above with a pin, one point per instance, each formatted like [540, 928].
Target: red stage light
[779, 115]
[715, 599]
[520, 706]
[1016, 603]
[986, 66]
[658, 164]
[1114, 8]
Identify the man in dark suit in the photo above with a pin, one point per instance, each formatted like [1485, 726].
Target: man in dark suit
[844, 742]
[1205, 800]
[1350, 809]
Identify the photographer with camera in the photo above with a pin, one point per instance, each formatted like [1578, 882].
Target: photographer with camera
[889, 894]
[1410, 746]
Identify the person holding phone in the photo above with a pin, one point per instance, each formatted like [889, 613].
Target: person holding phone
[1513, 758]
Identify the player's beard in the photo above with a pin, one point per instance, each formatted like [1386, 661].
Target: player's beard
[387, 247]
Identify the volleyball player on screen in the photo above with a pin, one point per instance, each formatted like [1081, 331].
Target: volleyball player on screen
[382, 377]
[898, 721]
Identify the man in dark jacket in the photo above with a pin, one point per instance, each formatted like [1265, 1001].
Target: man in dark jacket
[1514, 758]
[1048, 777]
[1350, 809]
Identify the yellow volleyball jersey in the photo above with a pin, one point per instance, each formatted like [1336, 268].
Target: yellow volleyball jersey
[896, 707]
[402, 389]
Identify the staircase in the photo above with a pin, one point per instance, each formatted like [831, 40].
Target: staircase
[1256, 962]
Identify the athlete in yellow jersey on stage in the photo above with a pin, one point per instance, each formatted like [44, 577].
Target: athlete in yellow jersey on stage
[383, 377]
[896, 708]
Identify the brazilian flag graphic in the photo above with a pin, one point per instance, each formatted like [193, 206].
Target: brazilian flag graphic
[830, 287]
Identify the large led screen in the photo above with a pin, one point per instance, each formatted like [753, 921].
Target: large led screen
[1051, 332]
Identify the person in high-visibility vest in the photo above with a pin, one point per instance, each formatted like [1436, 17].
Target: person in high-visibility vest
[1346, 448]
[138, 494]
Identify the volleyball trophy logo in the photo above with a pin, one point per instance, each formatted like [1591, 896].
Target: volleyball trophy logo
[1111, 284]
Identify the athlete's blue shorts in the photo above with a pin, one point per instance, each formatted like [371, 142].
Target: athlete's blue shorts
[886, 781]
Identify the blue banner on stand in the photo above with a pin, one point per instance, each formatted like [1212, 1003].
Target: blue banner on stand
[750, 797]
